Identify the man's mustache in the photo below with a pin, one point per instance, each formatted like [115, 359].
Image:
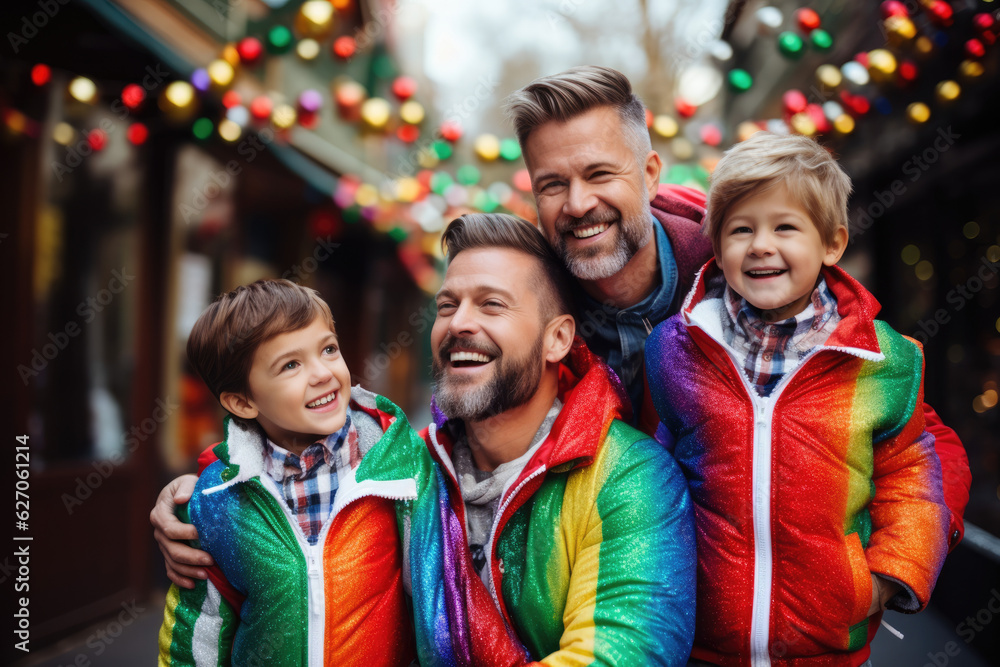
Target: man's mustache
[592, 217]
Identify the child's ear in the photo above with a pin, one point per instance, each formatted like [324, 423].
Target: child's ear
[238, 404]
[835, 249]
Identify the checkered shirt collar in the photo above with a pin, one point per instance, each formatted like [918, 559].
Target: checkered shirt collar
[282, 464]
[821, 307]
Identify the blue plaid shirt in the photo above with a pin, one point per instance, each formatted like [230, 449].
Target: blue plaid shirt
[771, 349]
[620, 335]
[309, 481]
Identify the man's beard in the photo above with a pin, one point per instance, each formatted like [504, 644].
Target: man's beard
[514, 381]
[595, 263]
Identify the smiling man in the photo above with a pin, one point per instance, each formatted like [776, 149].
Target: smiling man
[596, 181]
[579, 526]
[633, 245]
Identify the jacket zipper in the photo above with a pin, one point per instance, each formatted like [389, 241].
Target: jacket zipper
[763, 408]
[316, 628]
[447, 465]
[496, 522]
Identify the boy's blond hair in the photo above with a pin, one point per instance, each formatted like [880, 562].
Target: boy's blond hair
[813, 177]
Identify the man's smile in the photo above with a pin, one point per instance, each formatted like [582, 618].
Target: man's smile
[587, 232]
[469, 358]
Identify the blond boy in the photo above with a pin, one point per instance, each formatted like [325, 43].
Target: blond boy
[798, 419]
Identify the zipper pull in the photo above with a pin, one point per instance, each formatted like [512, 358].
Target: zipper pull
[314, 581]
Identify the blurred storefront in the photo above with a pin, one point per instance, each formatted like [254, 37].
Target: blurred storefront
[143, 174]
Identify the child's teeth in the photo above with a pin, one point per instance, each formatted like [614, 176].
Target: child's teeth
[321, 401]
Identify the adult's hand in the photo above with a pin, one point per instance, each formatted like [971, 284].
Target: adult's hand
[184, 563]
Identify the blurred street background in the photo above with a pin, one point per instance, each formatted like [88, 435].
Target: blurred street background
[154, 153]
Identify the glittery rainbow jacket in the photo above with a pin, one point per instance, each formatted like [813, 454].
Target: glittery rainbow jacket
[799, 496]
[272, 599]
[592, 554]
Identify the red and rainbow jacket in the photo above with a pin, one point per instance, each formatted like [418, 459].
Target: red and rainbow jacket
[591, 557]
[800, 495]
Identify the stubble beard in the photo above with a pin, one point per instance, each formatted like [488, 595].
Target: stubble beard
[596, 263]
[514, 383]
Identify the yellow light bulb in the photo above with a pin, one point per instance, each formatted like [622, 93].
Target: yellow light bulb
[412, 112]
[220, 73]
[83, 90]
[487, 147]
[665, 126]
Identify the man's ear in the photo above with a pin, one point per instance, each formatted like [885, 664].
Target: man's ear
[835, 249]
[651, 173]
[559, 334]
[238, 404]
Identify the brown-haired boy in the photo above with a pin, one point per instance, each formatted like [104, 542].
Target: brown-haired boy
[298, 509]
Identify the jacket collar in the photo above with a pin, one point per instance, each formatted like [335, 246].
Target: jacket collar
[680, 211]
[857, 307]
[243, 449]
[592, 397]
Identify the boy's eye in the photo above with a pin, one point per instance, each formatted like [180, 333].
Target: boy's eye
[291, 365]
[741, 230]
[330, 349]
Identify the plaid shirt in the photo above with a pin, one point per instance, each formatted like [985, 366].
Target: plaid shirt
[309, 481]
[772, 349]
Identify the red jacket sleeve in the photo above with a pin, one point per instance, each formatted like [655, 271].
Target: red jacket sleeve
[955, 473]
[208, 457]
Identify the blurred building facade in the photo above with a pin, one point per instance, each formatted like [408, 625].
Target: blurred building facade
[122, 223]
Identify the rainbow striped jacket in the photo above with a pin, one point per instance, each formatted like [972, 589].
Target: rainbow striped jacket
[800, 495]
[592, 554]
[273, 599]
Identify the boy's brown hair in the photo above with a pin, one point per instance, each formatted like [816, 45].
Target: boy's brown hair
[225, 338]
[813, 177]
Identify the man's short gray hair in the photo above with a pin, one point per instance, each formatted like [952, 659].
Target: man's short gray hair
[568, 94]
